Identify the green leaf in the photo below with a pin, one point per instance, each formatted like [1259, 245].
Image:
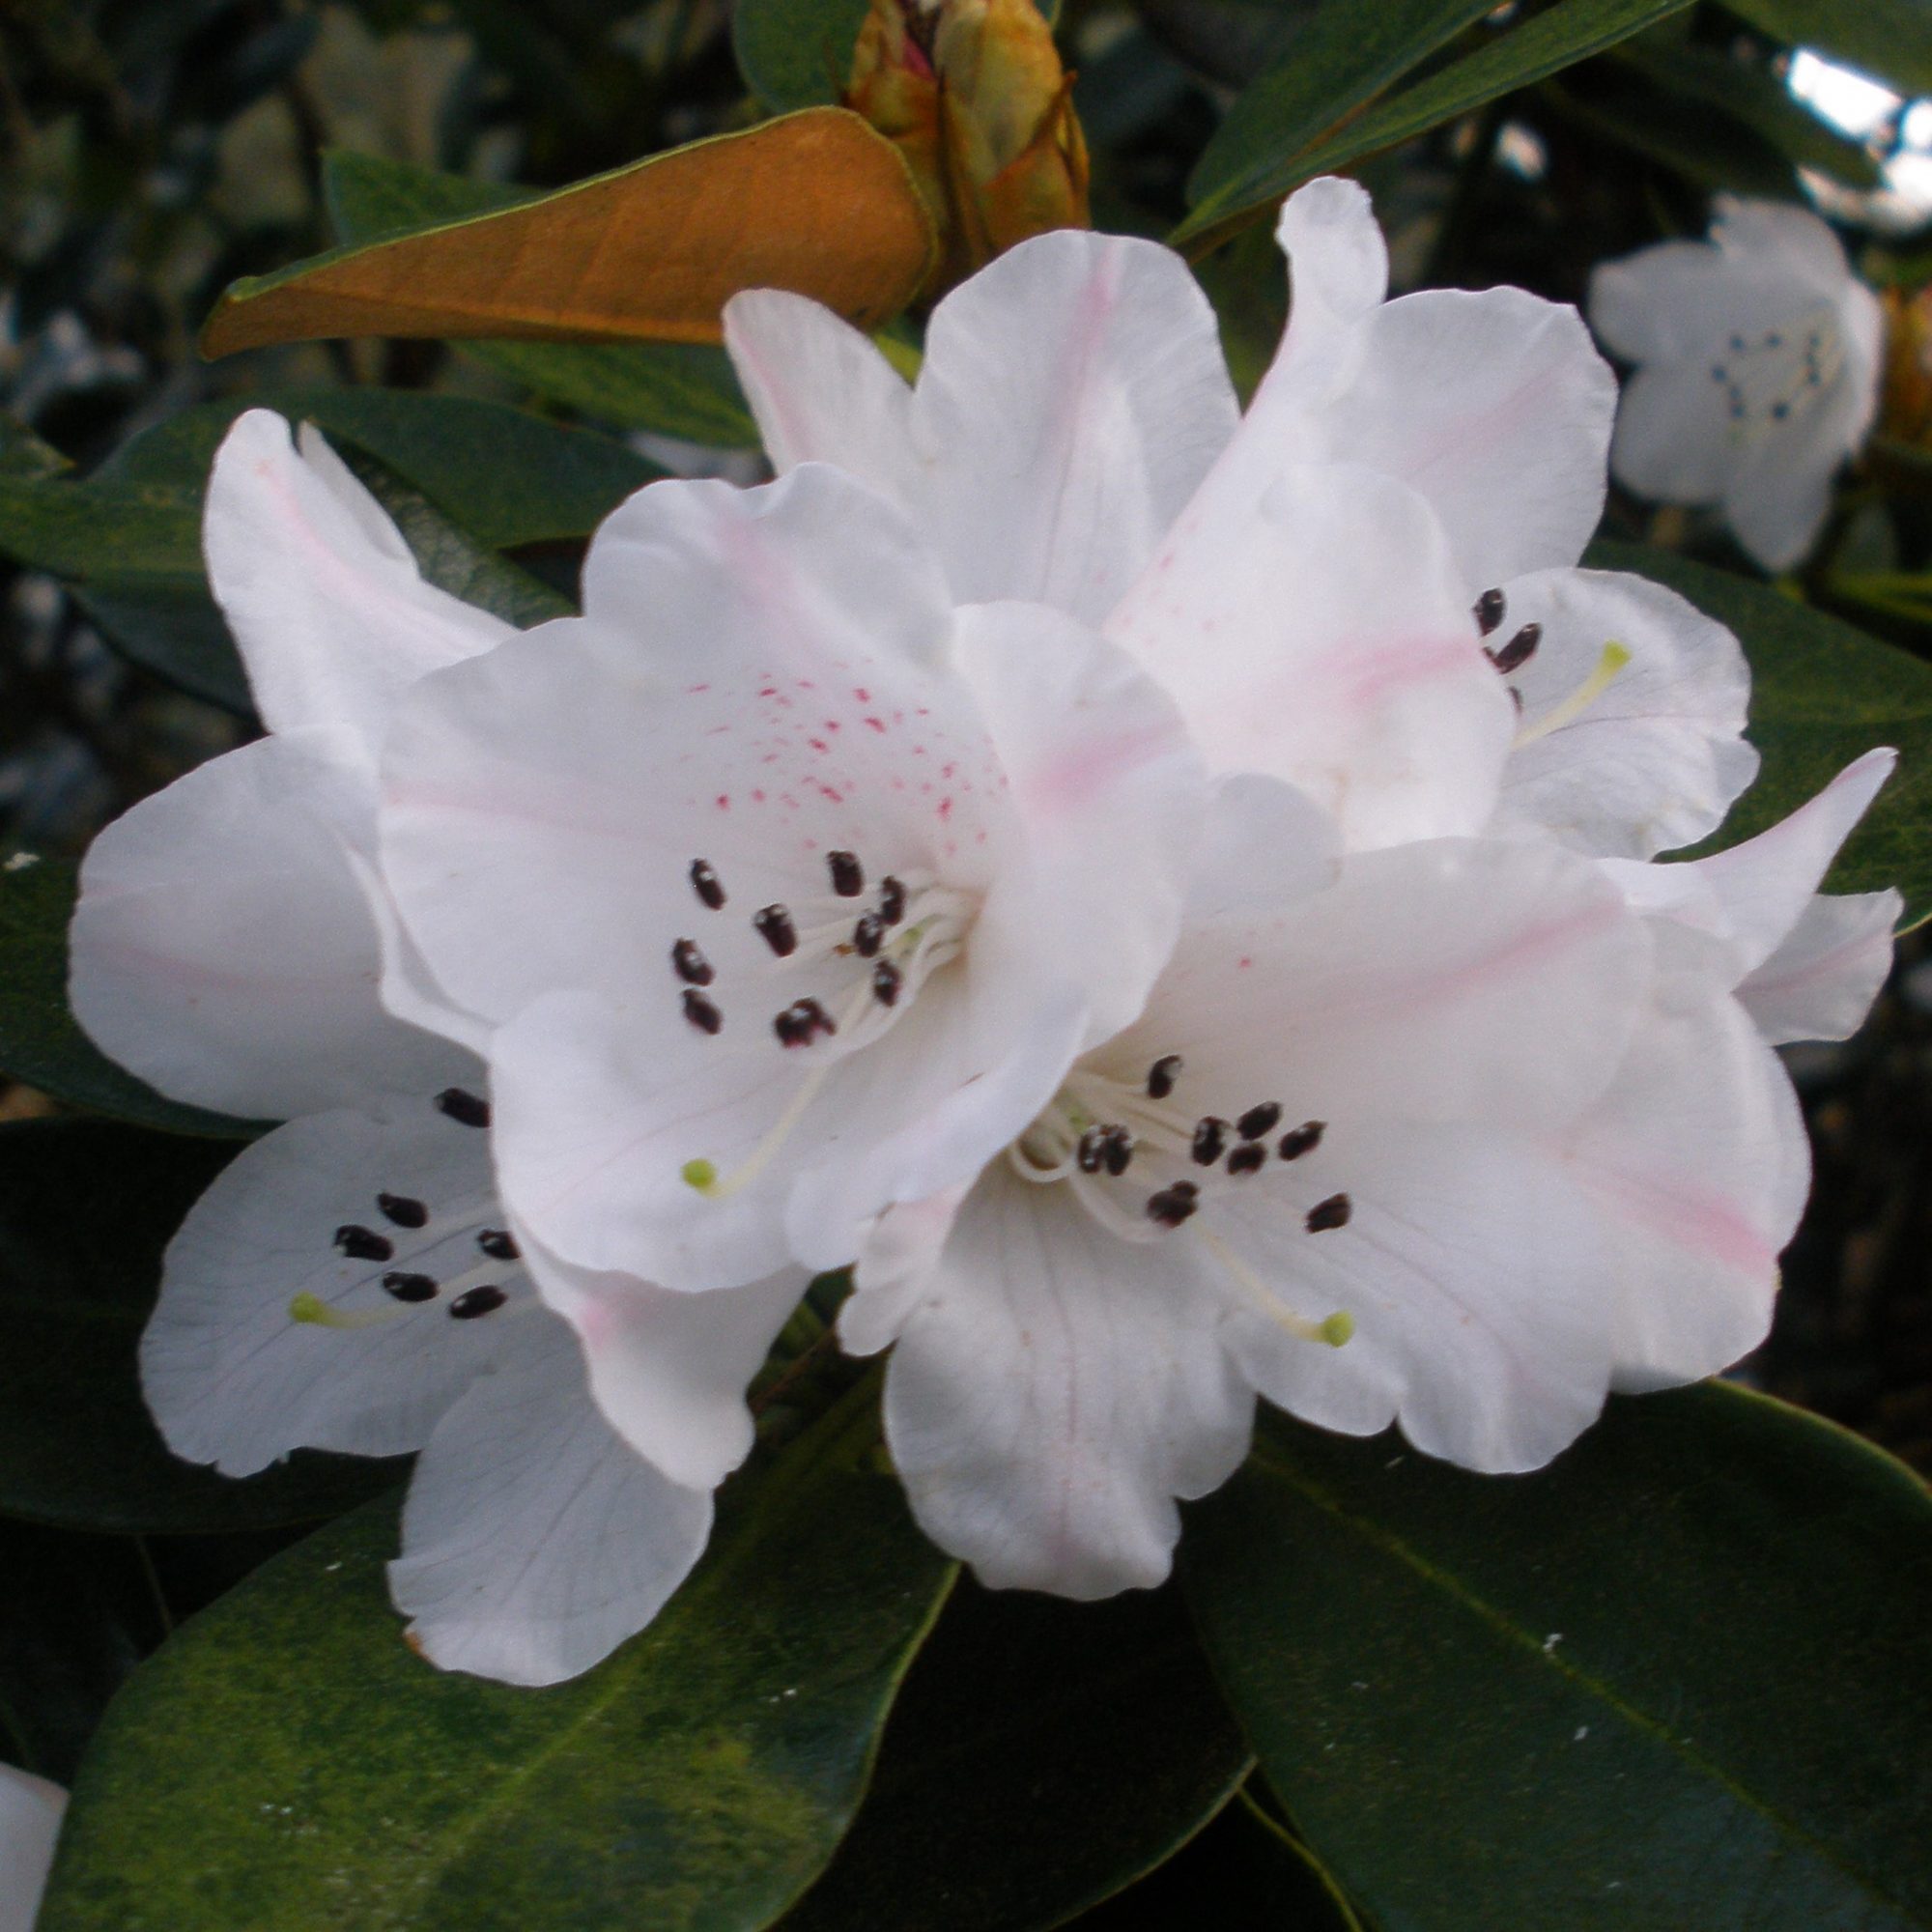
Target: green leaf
[1547, 42]
[678, 389]
[285, 1761]
[1341, 58]
[796, 53]
[1890, 39]
[23, 456]
[508, 477]
[100, 530]
[86, 1208]
[1821, 692]
[39, 1042]
[1679, 1678]
[1042, 1756]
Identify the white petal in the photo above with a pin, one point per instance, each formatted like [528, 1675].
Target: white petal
[534, 1540]
[670, 1371]
[1481, 1304]
[1762, 886]
[1338, 266]
[889, 1279]
[1657, 759]
[1449, 980]
[223, 947]
[1073, 396]
[235, 1380]
[1108, 795]
[821, 391]
[1319, 632]
[1803, 245]
[1697, 1164]
[1777, 498]
[1823, 977]
[1053, 1395]
[331, 615]
[760, 680]
[30, 1817]
[1264, 846]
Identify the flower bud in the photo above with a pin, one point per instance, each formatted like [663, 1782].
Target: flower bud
[975, 97]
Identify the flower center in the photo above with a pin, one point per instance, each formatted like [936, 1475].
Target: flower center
[847, 965]
[1147, 1167]
[1768, 378]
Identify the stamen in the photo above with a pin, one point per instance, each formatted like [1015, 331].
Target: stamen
[1173, 1206]
[1120, 1151]
[689, 963]
[1091, 1151]
[411, 1286]
[401, 1211]
[701, 1013]
[1162, 1075]
[1519, 649]
[1613, 659]
[363, 1244]
[1490, 608]
[1333, 1213]
[475, 1301]
[1259, 1121]
[465, 1109]
[773, 923]
[1301, 1140]
[705, 883]
[868, 935]
[848, 876]
[892, 900]
[802, 1022]
[1211, 1138]
[886, 980]
[1250, 1157]
[499, 1244]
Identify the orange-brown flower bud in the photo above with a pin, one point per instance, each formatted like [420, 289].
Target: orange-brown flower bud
[975, 97]
[1905, 406]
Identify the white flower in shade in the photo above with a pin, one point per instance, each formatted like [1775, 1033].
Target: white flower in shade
[30, 1816]
[786, 886]
[1758, 354]
[1449, 1133]
[349, 1281]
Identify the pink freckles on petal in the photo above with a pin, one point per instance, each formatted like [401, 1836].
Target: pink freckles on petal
[697, 690]
[877, 724]
[724, 801]
[863, 696]
[944, 808]
[759, 796]
[818, 744]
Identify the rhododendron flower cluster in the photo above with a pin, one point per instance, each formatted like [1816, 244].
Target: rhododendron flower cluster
[1169, 899]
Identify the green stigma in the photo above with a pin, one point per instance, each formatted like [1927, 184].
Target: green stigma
[698, 1173]
[307, 1307]
[1338, 1328]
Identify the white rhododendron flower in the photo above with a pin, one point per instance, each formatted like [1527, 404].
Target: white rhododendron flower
[30, 1816]
[1443, 1073]
[1758, 355]
[349, 1281]
[786, 886]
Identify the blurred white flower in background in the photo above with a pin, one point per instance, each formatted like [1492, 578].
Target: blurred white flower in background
[1758, 354]
[30, 1816]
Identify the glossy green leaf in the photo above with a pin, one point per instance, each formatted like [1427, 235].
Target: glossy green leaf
[286, 1761]
[1341, 59]
[1821, 692]
[796, 53]
[1544, 43]
[1042, 1756]
[681, 389]
[86, 1208]
[1890, 39]
[508, 477]
[39, 1042]
[1680, 1678]
[23, 456]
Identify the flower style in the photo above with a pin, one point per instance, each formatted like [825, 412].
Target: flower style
[349, 1281]
[1758, 354]
[30, 1816]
